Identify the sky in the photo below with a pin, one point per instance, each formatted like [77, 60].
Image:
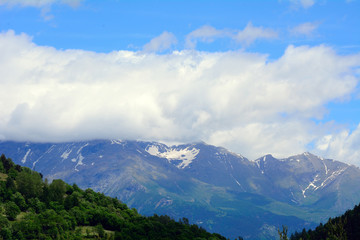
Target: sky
[257, 77]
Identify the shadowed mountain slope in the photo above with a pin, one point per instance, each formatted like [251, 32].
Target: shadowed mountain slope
[211, 186]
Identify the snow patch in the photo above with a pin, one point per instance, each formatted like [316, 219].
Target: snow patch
[66, 154]
[327, 180]
[50, 149]
[331, 177]
[234, 154]
[292, 159]
[312, 185]
[231, 165]
[163, 202]
[116, 141]
[81, 148]
[79, 158]
[257, 163]
[26, 155]
[239, 155]
[237, 182]
[34, 163]
[326, 169]
[186, 155]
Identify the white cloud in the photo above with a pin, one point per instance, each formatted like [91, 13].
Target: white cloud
[160, 43]
[205, 34]
[343, 145]
[44, 5]
[246, 36]
[250, 34]
[303, 3]
[304, 29]
[307, 3]
[235, 99]
[38, 3]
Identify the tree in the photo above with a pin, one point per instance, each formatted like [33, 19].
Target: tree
[3, 221]
[36, 205]
[19, 201]
[336, 230]
[100, 231]
[72, 200]
[1, 167]
[283, 233]
[29, 184]
[5, 233]
[29, 227]
[7, 163]
[12, 173]
[57, 190]
[10, 185]
[11, 210]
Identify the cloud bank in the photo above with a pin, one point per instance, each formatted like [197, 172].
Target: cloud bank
[235, 99]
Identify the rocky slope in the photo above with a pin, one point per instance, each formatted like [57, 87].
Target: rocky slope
[213, 187]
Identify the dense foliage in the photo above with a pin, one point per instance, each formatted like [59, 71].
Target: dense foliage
[344, 227]
[31, 208]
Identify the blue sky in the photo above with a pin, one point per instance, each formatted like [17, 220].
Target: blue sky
[256, 77]
[105, 26]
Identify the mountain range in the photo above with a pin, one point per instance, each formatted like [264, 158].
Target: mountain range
[215, 188]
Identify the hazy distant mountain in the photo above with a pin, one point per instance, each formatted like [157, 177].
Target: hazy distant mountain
[213, 187]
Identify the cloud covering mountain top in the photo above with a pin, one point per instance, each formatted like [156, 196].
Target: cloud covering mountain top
[243, 101]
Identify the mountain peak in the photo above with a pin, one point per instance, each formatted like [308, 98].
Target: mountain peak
[309, 154]
[265, 158]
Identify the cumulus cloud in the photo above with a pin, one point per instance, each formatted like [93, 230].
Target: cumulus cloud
[160, 43]
[342, 145]
[234, 99]
[306, 29]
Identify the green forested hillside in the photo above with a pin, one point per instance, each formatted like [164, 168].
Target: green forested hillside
[32, 208]
[344, 227]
